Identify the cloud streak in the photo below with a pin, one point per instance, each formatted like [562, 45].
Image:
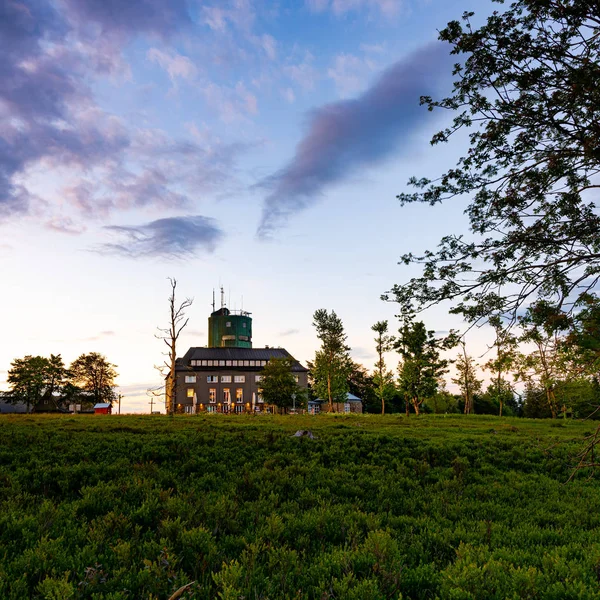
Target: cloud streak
[173, 237]
[350, 135]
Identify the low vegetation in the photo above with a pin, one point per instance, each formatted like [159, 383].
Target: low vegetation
[372, 508]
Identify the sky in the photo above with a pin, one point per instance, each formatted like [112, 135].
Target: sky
[250, 144]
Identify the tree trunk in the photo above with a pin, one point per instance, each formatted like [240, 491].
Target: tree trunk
[416, 405]
[330, 398]
[407, 406]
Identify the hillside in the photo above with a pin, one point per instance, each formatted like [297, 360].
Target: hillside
[435, 507]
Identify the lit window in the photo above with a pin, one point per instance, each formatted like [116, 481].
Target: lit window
[212, 395]
[297, 378]
[221, 363]
[190, 392]
[204, 363]
[227, 363]
[239, 395]
[252, 363]
[244, 338]
[235, 363]
[240, 379]
[225, 378]
[246, 363]
[257, 378]
[226, 395]
[228, 324]
[263, 363]
[190, 379]
[212, 379]
[210, 363]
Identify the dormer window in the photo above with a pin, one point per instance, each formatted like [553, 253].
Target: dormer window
[228, 324]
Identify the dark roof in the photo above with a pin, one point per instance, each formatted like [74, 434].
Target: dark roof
[236, 354]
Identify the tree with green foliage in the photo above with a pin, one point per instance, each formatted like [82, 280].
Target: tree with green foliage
[442, 401]
[500, 395]
[362, 385]
[384, 379]
[505, 343]
[28, 380]
[95, 377]
[527, 92]
[278, 385]
[466, 378]
[420, 367]
[332, 365]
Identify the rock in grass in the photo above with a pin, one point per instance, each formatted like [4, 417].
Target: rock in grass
[304, 433]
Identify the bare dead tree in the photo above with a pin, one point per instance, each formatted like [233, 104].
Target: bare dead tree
[169, 335]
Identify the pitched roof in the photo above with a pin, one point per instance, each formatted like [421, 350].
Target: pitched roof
[102, 405]
[236, 354]
[349, 398]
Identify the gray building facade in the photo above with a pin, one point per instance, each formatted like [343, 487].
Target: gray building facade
[226, 380]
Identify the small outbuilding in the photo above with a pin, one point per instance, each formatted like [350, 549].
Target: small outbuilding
[102, 408]
[353, 404]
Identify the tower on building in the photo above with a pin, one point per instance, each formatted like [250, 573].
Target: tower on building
[229, 329]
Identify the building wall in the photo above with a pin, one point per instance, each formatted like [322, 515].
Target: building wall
[200, 397]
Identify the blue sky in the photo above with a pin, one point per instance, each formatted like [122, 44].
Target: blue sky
[258, 145]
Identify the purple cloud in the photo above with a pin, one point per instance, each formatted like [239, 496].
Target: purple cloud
[350, 135]
[158, 17]
[174, 237]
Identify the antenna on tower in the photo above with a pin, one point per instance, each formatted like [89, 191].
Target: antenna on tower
[213, 304]
[222, 297]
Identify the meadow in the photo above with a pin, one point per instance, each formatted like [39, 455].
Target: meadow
[135, 507]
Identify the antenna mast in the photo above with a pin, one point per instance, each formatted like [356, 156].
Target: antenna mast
[213, 304]
[222, 297]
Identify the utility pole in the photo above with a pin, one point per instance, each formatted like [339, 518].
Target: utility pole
[151, 404]
[120, 396]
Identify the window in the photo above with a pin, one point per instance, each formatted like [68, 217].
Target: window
[240, 379]
[212, 395]
[246, 363]
[228, 324]
[346, 407]
[226, 395]
[244, 325]
[189, 409]
[227, 363]
[263, 363]
[190, 379]
[244, 338]
[239, 408]
[297, 378]
[210, 363]
[212, 378]
[221, 363]
[190, 392]
[235, 363]
[239, 395]
[260, 399]
[225, 378]
[252, 363]
[204, 363]
[211, 409]
[257, 378]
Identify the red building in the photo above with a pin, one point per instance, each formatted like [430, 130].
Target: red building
[102, 408]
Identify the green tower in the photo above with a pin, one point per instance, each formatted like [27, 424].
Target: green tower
[229, 329]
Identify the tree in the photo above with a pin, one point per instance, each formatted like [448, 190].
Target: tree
[169, 335]
[361, 384]
[527, 91]
[505, 343]
[421, 366]
[278, 384]
[95, 377]
[466, 378]
[384, 379]
[28, 380]
[332, 364]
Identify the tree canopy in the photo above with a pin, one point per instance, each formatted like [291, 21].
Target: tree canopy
[278, 384]
[332, 365]
[526, 90]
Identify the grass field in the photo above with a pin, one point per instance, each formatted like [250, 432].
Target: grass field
[433, 507]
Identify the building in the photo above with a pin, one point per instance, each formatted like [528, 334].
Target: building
[103, 408]
[353, 404]
[225, 376]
